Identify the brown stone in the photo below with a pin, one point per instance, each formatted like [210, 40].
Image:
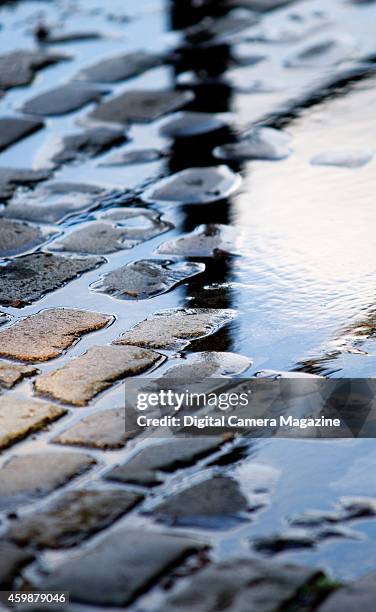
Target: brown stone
[19, 418]
[12, 373]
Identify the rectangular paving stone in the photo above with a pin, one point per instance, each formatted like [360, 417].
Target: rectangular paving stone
[120, 67]
[17, 237]
[62, 100]
[19, 67]
[30, 277]
[244, 584]
[13, 129]
[176, 328]
[143, 467]
[47, 334]
[13, 373]
[96, 370]
[72, 518]
[86, 144]
[108, 429]
[19, 418]
[12, 560]
[27, 477]
[11, 178]
[140, 106]
[120, 567]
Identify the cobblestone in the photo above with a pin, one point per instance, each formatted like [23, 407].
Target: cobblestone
[12, 559]
[19, 67]
[19, 418]
[13, 129]
[120, 67]
[84, 377]
[86, 144]
[47, 334]
[12, 373]
[62, 100]
[11, 178]
[357, 595]
[17, 237]
[205, 241]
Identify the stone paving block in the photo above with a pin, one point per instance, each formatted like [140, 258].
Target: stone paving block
[258, 143]
[12, 373]
[62, 100]
[176, 328]
[48, 333]
[53, 202]
[242, 585]
[143, 467]
[11, 178]
[188, 124]
[120, 67]
[13, 129]
[17, 237]
[30, 476]
[28, 278]
[146, 278]
[194, 186]
[4, 318]
[202, 365]
[132, 158]
[19, 418]
[212, 503]
[72, 518]
[84, 377]
[12, 560]
[357, 595]
[51, 36]
[108, 429]
[209, 240]
[122, 565]
[141, 106]
[86, 144]
[19, 67]
[221, 28]
[115, 230]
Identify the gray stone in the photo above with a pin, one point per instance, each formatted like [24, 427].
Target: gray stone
[19, 67]
[120, 67]
[48, 37]
[188, 124]
[53, 202]
[194, 186]
[108, 429]
[83, 378]
[146, 278]
[62, 100]
[140, 106]
[13, 129]
[343, 159]
[205, 241]
[12, 560]
[28, 278]
[132, 158]
[212, 503]
[47, 334]
[4, 318]
[117, 230]
[258, 143]
[326, 53]
[359, 595]
[173, 329]
[199, 366]
[168, 456]
[19, 418]
[122, 565]
[291, 539]
[242, 585]
[11, 178]
[25, 477]
[72, 518]
[222, 28]
[88, 143]
[259, 5]
[12, 373]
[17, 237]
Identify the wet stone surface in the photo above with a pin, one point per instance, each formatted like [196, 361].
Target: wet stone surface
[60, 524]
[121, 566]
[83, 378]
[47, 334]
[133, 158]
[202, 365]
[12, 560]
[343, 159]
[10, 178]
[194, 186]
[357, 595]
[140, 106]
[28, 278]
[19, 418]
[168, 456]
[106, 430]
[53, 202]
[19, 67]
[120, 67]
[13, 129]
[17, 237]
[62, 100]
[188, 124]
[11, 373]
[258, 143]
[212, 240]
[212, 503]
[146, 278]
[24, 477]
